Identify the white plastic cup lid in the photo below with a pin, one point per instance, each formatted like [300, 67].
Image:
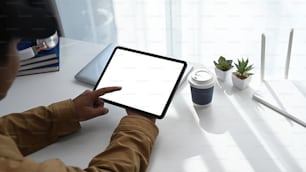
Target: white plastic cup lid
[202, 78]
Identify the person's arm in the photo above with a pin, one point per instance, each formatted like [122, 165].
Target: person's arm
[130, 146]
[41, 126]
[129, 150]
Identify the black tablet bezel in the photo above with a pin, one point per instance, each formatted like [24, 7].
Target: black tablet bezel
[165, 108]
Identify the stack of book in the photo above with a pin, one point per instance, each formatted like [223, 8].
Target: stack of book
[38, 62]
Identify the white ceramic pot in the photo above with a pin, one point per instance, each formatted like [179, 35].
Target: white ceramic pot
[222, 75]
[241, 83]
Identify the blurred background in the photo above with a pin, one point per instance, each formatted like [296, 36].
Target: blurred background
[195, 30]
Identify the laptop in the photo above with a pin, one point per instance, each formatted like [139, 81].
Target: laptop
[91, 72]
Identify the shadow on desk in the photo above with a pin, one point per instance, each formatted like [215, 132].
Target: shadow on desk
[230, 135]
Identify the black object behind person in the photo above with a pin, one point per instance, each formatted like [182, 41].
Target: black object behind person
[28, 19]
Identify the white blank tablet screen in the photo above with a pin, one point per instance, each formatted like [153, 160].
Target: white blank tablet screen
[147, 81]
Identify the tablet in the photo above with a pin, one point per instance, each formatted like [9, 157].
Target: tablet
[148, 80]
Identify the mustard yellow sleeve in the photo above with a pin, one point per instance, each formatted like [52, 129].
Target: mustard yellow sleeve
[129, 151]
[41, 126]
[130, 146]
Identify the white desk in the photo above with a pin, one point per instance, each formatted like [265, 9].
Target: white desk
[234, 134]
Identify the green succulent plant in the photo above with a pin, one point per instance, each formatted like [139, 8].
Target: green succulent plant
[223, 64]
[243, 68]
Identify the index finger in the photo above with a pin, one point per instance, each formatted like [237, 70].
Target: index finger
[102, 91]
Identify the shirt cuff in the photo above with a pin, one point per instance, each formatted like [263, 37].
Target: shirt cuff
[140, 123]
[65, 117]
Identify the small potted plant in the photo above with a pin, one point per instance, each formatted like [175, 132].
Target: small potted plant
[242, 77]
[223, 67]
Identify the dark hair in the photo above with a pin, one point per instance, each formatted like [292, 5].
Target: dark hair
[3, 51]
[28, 19]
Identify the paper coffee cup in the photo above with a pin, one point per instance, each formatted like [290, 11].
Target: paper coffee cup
[202, 83]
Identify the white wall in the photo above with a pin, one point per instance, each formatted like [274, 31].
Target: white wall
[196, 30]
[88, 20]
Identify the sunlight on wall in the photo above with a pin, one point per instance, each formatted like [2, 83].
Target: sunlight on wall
[141, 25]
[195, 30]
[88, 20]
[200, 31]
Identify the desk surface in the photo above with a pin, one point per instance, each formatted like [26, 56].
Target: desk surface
[234, 134]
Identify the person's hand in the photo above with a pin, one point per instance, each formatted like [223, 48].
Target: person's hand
[131, 112]
[89, 105]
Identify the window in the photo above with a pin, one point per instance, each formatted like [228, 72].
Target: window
[196, 30]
